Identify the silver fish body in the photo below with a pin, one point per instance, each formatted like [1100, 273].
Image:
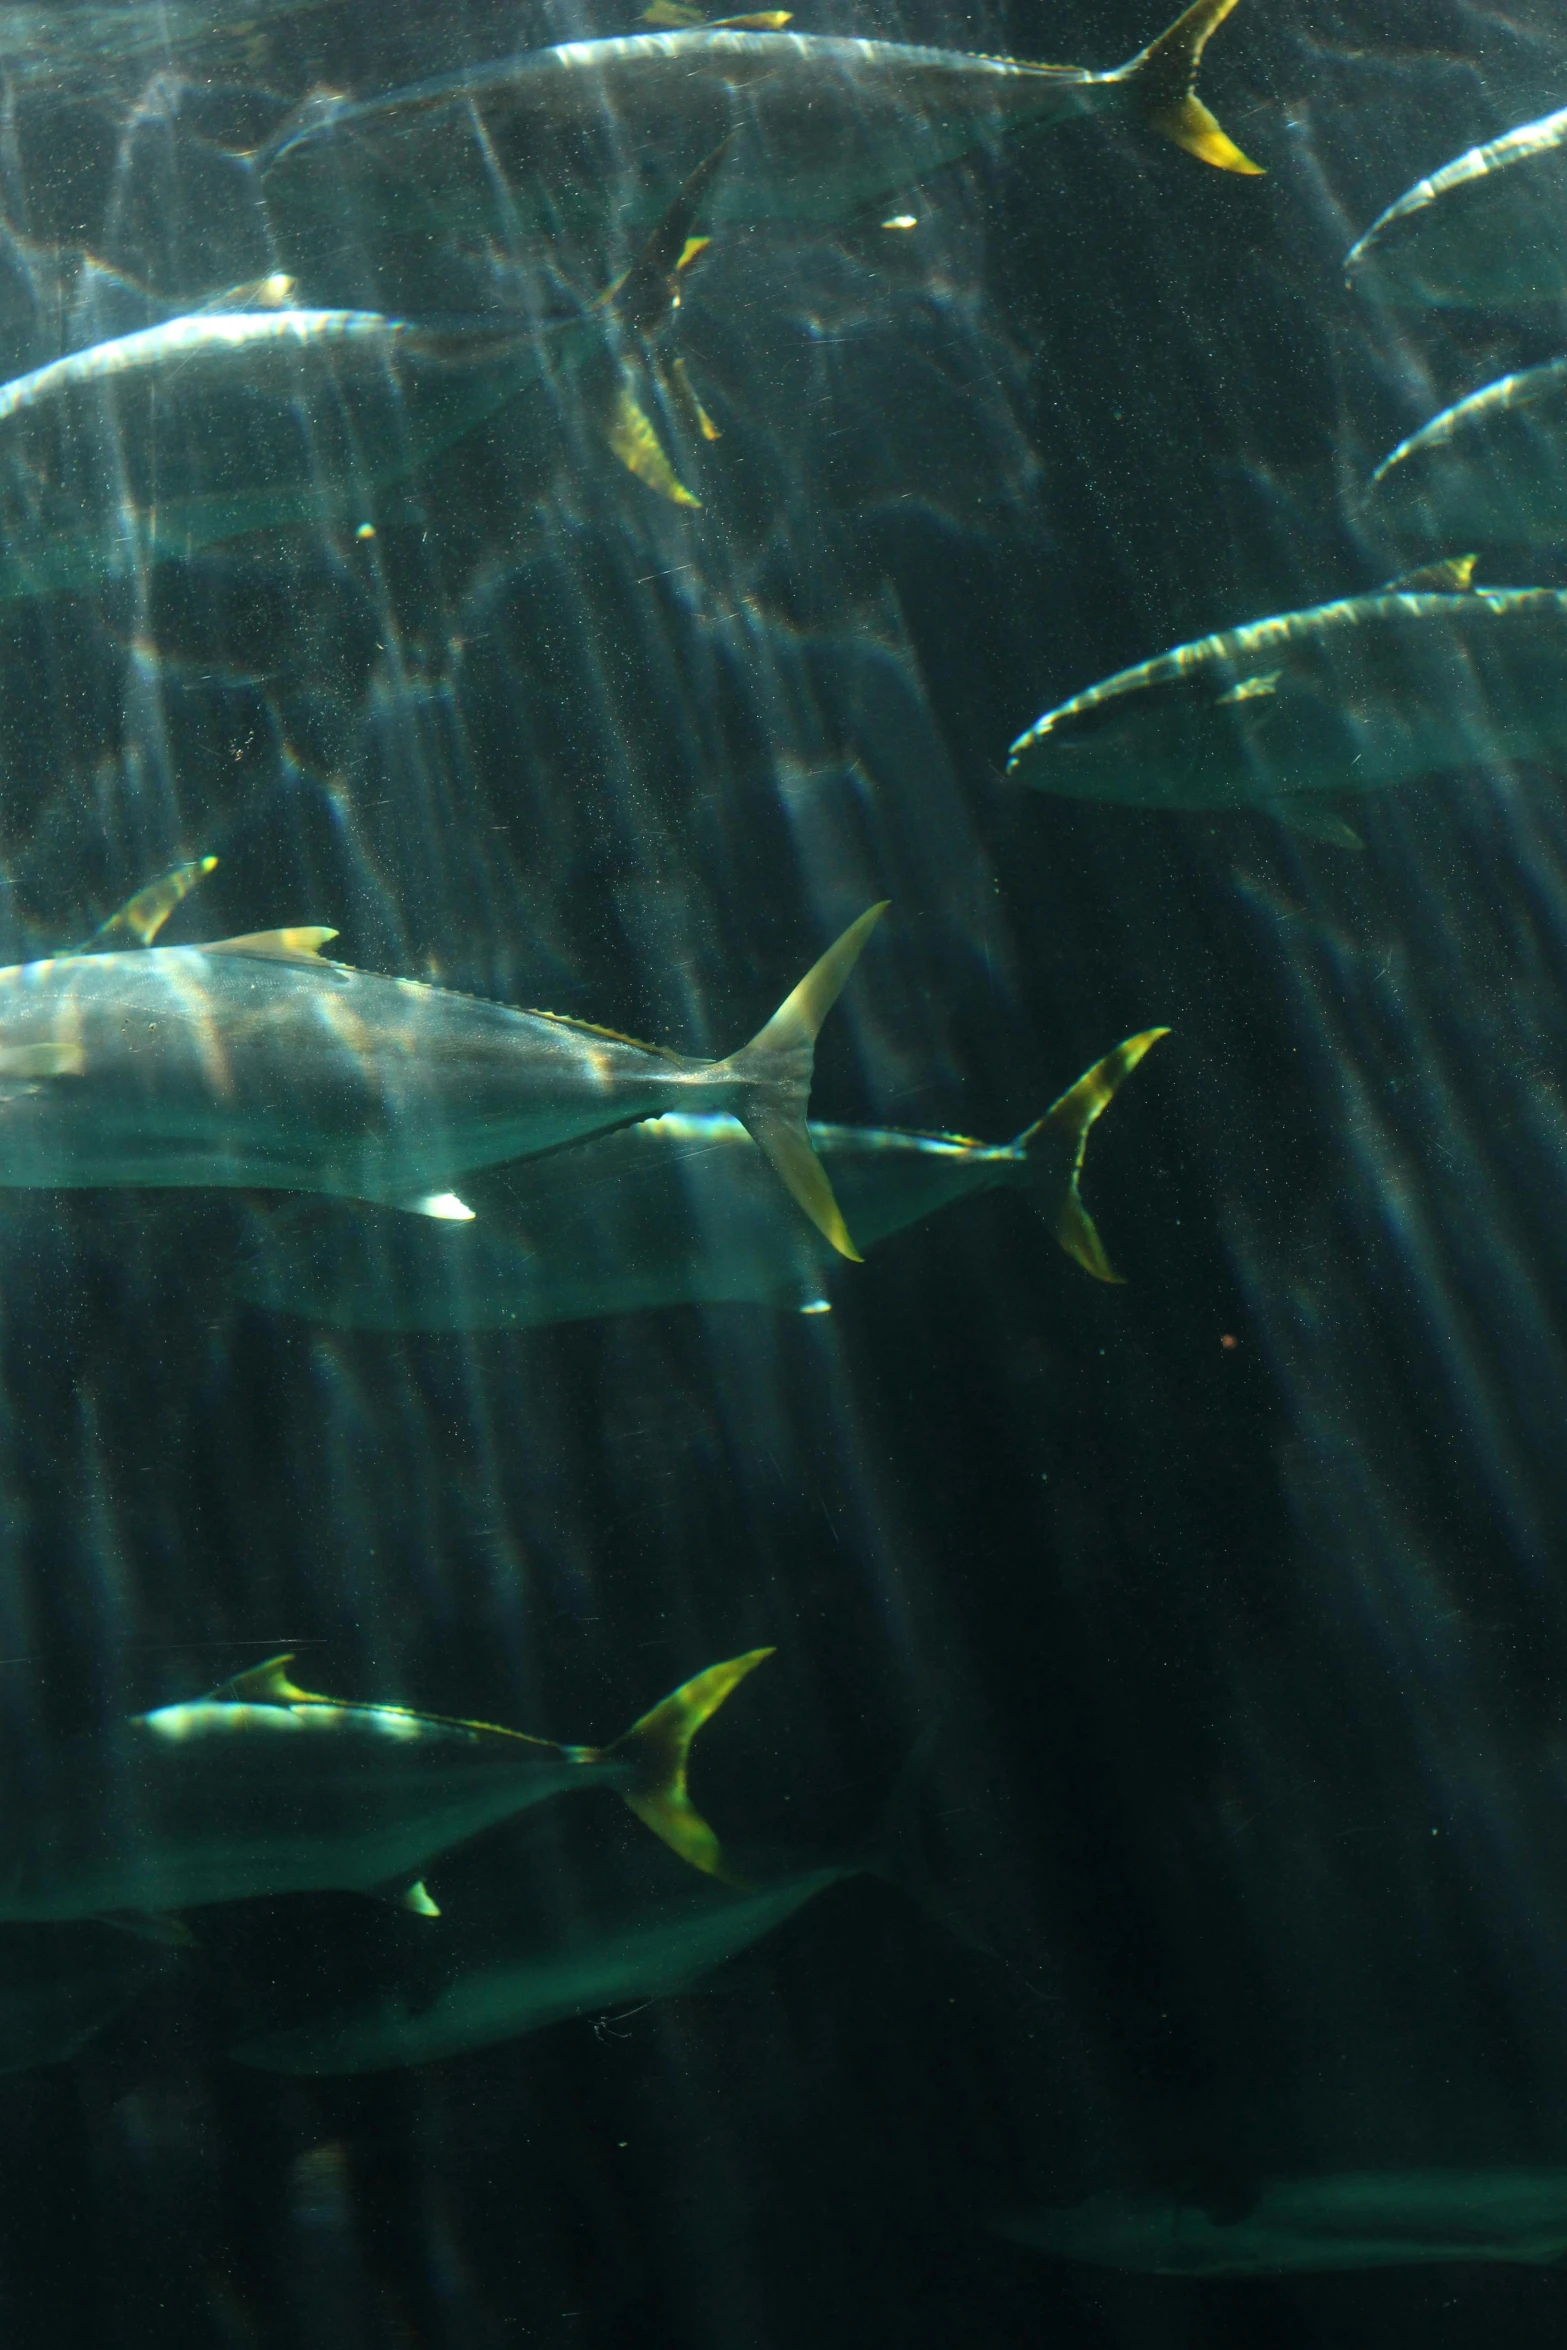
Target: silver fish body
[1352, 2220]
[1487, 231]
[581, 1927]
[1353, 696]
[264, 1788]
[1489, 471]
[819, 128]
[678, 1210]
[253, 1062]
[153, 446]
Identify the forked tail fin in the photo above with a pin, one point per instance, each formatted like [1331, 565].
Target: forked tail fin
[775, 1068]
[658, 1747]
[1163, 83]
[1054, 1148]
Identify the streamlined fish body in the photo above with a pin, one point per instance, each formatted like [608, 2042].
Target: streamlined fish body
[579, 1928]
[1487, 231]
[818, 128]
[152, 446]
[1351, 2220]
[676, 1210]
[1489, 471]
[255, 1062]
[1347, 697]
[264, 1788]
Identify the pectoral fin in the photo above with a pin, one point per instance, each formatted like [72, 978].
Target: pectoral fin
[59, 1058]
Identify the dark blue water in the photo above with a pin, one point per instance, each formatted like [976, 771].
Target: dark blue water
[1222, 1612]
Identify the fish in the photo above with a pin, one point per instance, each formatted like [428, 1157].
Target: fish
[588, 1920]
[1418, 679]
[152, 446]
[676, 1210]
[1346, 2220]
[821, 128]
[263, 1788]
[60, 1985]
[254, 1061]
[1489, 471]
[1486, 232]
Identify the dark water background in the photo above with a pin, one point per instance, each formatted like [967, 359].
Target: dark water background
[1248, 1658]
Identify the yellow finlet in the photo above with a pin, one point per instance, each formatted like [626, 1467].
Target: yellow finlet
[418, 1900]
[633, 440]
[1067, 1123]
[1163, 80]
[659, 1748]
[275, 946]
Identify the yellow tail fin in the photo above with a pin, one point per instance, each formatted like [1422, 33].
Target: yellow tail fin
[659, 1748]
[1055, 1145]
[776, 1066]
[1164, 80]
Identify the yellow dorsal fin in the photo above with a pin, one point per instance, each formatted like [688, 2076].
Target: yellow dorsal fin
[1454, 575]
[275, 946]
[140, 919]
[266, 1684]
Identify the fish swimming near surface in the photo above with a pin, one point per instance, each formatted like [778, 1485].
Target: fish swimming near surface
[1488, 231]
[587, 1919]
[819, 129]
[1489, 471]
[263, 1788]
[677, 1210]
[1296, 2227]
[1422, 678]
[255, 1062]
[151, 446]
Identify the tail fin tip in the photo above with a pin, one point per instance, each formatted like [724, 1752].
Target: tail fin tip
[780, 1058]
[659, 1750]
[1068, 1121]
[1165, 76]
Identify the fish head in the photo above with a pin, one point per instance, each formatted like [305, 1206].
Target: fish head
[1177, 732]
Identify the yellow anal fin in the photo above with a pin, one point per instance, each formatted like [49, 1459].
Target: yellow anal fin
[1163, 80]
[60, 1057]
[275, 946]
[1055, 1145]
[633, 440]
[140, 919]
[658, 1747]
